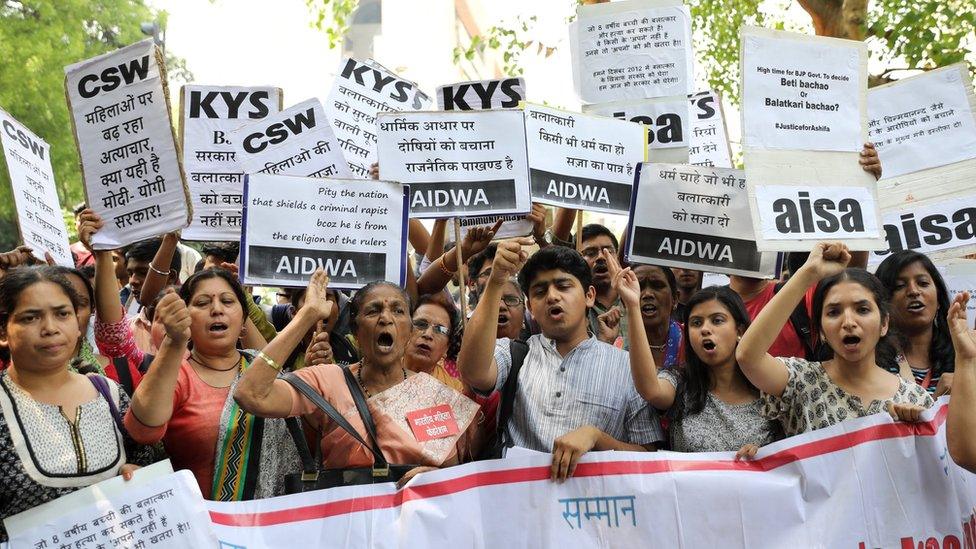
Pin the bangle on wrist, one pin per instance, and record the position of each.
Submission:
(157, 271)
(267, 360)
(445, 270)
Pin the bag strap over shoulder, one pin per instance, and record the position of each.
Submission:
(360, 399)
(101, 385)
(121, 364)
(800, 319)
(519, 350)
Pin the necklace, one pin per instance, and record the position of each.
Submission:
(198, 361)
(359, 377)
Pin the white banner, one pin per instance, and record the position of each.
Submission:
(801, 93)
(631, 50)
(296, 141)
(457, 163)
(924, 121)
(667, 119)
(361, 90)
(355, 230)
(133, 175)
(867, 482)
(210, 114)
(695, 218)
(500, 93)
(582, 161)
(157, 508)
(934, 227)
(709, 136)
(35, 193)
(808, 214)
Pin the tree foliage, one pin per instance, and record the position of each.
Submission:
(332, 17)
(38, 38)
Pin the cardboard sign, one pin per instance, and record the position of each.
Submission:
(432, 423)
(633, 49)
(582, 161)
(695, 218)
(457, 163)
(297, 141)
(793, 217)
(942, 229)
(500, 93)
(35, 194)
(667, 120)
(210, 114)
(801, 92)
(709, 136)
(355, 230)
(361, 90)
(924, 121)
(132, 171)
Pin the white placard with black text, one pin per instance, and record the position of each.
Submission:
(477, 95)
(667, 120)
(709, 136)
(133, 175)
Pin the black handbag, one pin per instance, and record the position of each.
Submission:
(313, 476)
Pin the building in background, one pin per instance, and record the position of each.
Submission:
(424, 51)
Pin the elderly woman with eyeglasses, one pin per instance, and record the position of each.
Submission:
(433, 344)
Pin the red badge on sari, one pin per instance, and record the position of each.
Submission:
(432, 423)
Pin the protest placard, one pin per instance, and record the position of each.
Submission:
(582, 161)
(695, 218)
(925, 128)
(296, 141)
(355, 230)
(709, 136)
(210, 114)
(802, 92)
(361, 90)
(960, 276)
(457, 163)
(924, 121)
(512, 226)
(633, 49)
(499, 93)
(667, 119)
(154, 509)
(35, 194)
(132, 171)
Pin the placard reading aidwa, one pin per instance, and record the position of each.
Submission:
(361, 90)
(133, 175)
(500, 93)
(631, 50)
(35, 194)
(457, 163)
(799, 93)
(296, 141)
(582, 161)
(709, 136)
(695, 218)
(667, 120)
(210, 114)
(924, 121)
(354, 230)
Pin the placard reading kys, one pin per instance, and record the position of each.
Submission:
(802, 93)
(132, 172)
(296, 141)
(631, 50)
(361, 90)
(501, 93)
(582, 161)
(667, 121)
(709, 137)
(32, 182)
(924, 121)
(695, 218)
(210, 114)
(354, 230)
(457, 163)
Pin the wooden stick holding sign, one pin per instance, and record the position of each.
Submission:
(579, 231)
(462, 287)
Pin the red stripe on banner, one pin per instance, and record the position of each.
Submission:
(529, 474)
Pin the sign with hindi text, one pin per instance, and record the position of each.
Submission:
(354, 230)
(210, 114)
(35, 194)
(132, 171)
(457, 163)
(667, 121)
(709, 136)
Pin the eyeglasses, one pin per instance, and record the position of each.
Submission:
(592, 253)
(512, 300)
(421, 325)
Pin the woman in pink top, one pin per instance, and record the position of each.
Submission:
(380, 319)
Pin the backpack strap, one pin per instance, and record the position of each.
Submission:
(146, 361)
(519, 350)
(101, 385)
(121, 364)
(800, 319)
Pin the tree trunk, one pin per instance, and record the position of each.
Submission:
(838, 18)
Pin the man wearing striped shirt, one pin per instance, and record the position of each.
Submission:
(575, 393)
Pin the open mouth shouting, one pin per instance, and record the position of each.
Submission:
(556, 313)
(217, 329)
(851, 343)
(503, 319)
(915, 307)
(600, 269)
(648, 308)
(384, 342)
(708, 345)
